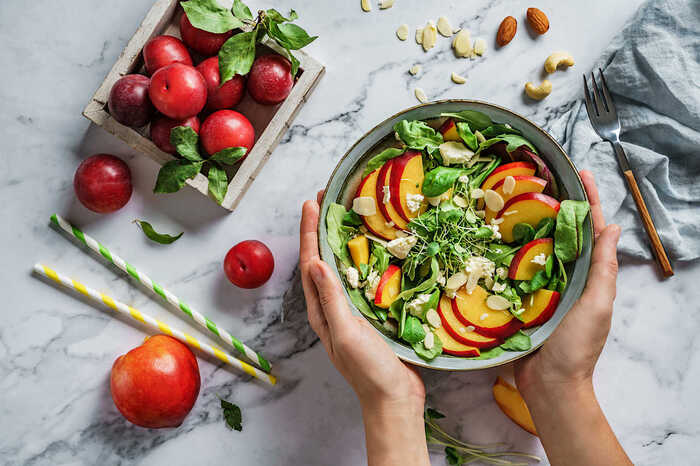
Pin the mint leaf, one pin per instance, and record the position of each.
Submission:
(291, 36)
(229, 156)
(218, 182)
(153, 235)
(232, 415)
(173, 175)
(185, 140)
(237, 55)
(241, 11)
(210, 16)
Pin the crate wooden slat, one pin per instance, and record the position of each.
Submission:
(163, 18)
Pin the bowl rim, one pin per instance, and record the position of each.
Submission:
(419, 361)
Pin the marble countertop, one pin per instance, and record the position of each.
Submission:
(56, 352)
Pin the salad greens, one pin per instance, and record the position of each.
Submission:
(447, 243)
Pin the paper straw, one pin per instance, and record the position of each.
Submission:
(167, 296)
(152, 322)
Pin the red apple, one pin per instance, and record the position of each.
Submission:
(220, 97)
(160, 131)
(224, 129)
(163, 51)
(205, 42)
(178, 91)
(249, 264)
(102, 183)
(156, 384)
(270, 79)
(128, 100)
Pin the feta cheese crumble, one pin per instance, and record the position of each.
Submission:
(372, 284)
(454, 153)
(415, 306)
(400, 247)
(353, 277)
(414, 201)
(387, 194)
(539, 259)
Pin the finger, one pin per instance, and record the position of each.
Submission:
(313, 308)
(308, 236)
(594, 200)
(330, 293)
(600, 289)
(319, 196)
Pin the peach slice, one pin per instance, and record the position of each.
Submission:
(387, 208)
(525, 208)
(453, 347)
(539, 307)
(523, 184)
(375, 223)
(407, 180)
(359, 250)
(389, 287)
(471, 309)
(510, 401)
(522, 266)
(508, 169)
(449, 131)
(459, 331)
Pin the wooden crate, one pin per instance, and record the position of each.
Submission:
(270, 122)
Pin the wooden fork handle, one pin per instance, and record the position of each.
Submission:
(656, 246)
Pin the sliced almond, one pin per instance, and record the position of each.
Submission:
(462, 44)
(420, 95)
(384, 4)
(493, 200)
(433, 318)
(508, 184)
(497, 303)
(456, 280)
(476, 193)
(429, 340)
(366, 5)
(364, 205)
(479, 46)
(457, 79)
(429, 36)
(444, 27)
(402, 32)
(419, 36)
(414, 70)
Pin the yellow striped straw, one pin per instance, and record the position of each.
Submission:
(153, 323)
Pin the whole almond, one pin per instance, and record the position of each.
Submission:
(506, 31)
(538, 20)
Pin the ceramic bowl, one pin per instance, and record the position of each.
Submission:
(346, 177)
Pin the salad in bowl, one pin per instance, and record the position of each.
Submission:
(455, 238)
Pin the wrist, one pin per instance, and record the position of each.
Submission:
(409, 409)
(540, 390)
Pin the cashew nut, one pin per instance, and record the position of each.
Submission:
(538, 92)
(457, 79)
(556, 60)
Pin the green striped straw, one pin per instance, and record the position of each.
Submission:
(167, 296)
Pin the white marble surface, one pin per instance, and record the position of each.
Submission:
(56, 352)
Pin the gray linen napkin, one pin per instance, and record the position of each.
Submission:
(652, 69)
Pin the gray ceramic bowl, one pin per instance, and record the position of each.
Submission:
(346, 176)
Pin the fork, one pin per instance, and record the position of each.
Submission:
(605, 122)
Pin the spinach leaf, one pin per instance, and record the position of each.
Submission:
(476, 181)
(498, 253)
(432, 249)
(364, 270)
(381, 158)
(490, 353)
(382, 256)
(232, 415)
(210, 16)
(428, 354)
(467, 136)
(439, 180)
(539, 280)
(513, 141)
(497, 130)
(523, 233)
(413, 331)
(351, 218)
(425, 285)
(544, 228)
(173, 175)
(360, 303)
(396, 308)
(237, 55)
(218, 182)
(477, 120)
(153, 235)
(185, 141)
(418, 135)
(568, 235)
(338, 235)
(229, 156)
(519, 341)
(482, 233)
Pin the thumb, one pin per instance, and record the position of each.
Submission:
(330, 294)
(600, 289)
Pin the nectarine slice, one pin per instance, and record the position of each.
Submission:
(510, 401)
(508, 169)
(471, 309)
(539, 307)
(459, 331)
(375, 223)
(449, 131)
(524, 266)
(527, 208)
(389, 287)
(407, 180)
(523, 184)
(359, 250)
(453, 347)
(387, 208)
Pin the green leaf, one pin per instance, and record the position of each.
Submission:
(229, 156)
(381, 158)
(210, 16)
(237, 55)
(241, 11)
(218, 182)
(413, 331)
(277, 17)
(383, 258)
(425, 285)
(497, 130)
(232, 415)
(418, 135)
(173, 175)
(425, 223)
(544, 228)
(568, 235)
(439, 180)
(295, 63)
(338, 234)
(519, 341)
(428, 354)
(513, 141)
(549, 265)
(185, 140)
(497, 253)
(476, 181)
(490, 353)
(453, 457)
(291, 36)
(467, 136)
(351, 218)
(539, 280)
(360, 303)
(431, 413)
(161, 238)
(477, 120)
(432, 249)
(523, 233)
